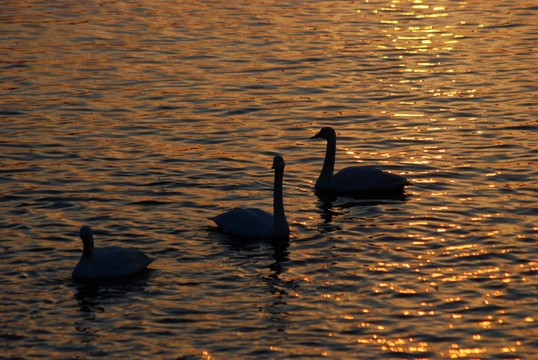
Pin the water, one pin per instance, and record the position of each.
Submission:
(144, 118)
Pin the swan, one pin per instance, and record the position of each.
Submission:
(355, 179)
(256, 223)
(107, 262)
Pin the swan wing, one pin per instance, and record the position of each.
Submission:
(245, 222)
(365, 179)
(111, 262)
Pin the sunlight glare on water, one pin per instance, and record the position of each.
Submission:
(144, 119)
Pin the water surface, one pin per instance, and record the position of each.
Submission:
(144, 118)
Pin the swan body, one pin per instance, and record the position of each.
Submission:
(107, 262)
(355, 179)
(256, 223)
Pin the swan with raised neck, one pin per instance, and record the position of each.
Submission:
(355, 179)
(107, 262)
(256, 223)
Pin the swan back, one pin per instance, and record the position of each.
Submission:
(245, 222)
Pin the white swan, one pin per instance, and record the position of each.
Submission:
(107, 262)
(355, 179)
(256, 223)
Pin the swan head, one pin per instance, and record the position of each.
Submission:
(86, 234)
(278, 163)
(325, 133)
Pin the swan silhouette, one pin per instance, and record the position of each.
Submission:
(355, 179)
(256, 223)
(107, 262)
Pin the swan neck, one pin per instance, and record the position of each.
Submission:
(328, 164)
(88, 247)
(279, 217)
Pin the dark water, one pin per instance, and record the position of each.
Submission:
(144, 118)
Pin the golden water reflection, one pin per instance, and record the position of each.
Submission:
(150, 117)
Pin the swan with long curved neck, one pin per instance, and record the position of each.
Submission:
(355, 179)
(107, 262)
(256, 223)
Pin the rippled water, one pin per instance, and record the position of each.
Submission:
(144, 118)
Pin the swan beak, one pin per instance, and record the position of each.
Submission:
(318, 135)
